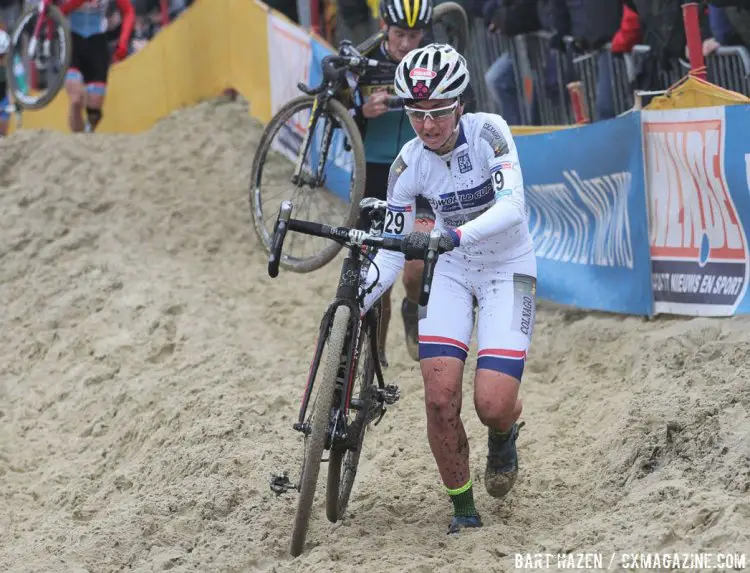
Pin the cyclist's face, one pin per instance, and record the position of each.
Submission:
(401, 41)
(436, 131)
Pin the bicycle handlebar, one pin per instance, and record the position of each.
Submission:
(335, 66)
(394, 102)
(345, 235)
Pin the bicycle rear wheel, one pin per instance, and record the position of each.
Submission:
(333, 200)
(315, 443)
(344, 458)
(44, 74)
(451, 25)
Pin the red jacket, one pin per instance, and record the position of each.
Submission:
(629, 33)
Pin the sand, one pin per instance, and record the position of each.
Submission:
(150, 372)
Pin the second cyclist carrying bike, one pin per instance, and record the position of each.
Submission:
(385, 130)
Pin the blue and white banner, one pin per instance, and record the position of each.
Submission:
(698, 178)
(587, 215)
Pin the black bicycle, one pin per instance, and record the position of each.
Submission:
(347, 399)
(311, 151)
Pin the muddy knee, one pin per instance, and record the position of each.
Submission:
(496, 399)
(497, 413)
(442, 406)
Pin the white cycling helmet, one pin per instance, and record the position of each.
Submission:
(4, 42)
(436, 71)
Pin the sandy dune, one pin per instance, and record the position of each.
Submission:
(150, 372)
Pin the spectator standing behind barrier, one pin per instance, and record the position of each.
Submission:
(354, 21)
(664, 32)
(737, 13)
(629, 33)
(591, 24)
(148, 21)
(513, 18)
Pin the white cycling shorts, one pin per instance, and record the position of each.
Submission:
(506, 301)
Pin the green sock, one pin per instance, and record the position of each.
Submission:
(499, 436)
(463, 500)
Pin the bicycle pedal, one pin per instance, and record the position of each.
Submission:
(391, 394)
(280, 483)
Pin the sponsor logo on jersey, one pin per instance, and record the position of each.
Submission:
(495, 139)
(699, 250)
(464, 199)
(398, 167)
(464, 163)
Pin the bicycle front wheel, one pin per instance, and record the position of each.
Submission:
(451, 25)
(344, 458)
(327, 188)
(315, 443)
(34, 80)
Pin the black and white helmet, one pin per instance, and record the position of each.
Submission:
(407, 14)
(436, 71)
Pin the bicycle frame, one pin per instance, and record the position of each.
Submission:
(347, 293)
(333, 84)
(361, 246)
(42, 10)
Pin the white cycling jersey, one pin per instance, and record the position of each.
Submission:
(477, 193)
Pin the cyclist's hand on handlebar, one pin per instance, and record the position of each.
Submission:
(414, 245)
(376, 104)
(120, 53)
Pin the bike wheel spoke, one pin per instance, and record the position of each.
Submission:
(317, 194)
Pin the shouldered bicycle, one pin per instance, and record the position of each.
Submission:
(312, 151)
(39, 53)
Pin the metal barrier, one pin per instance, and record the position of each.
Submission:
(622, 80)
(545, 79)
(483, 48)
(729, 67)
(540, 74)
(587, 72)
